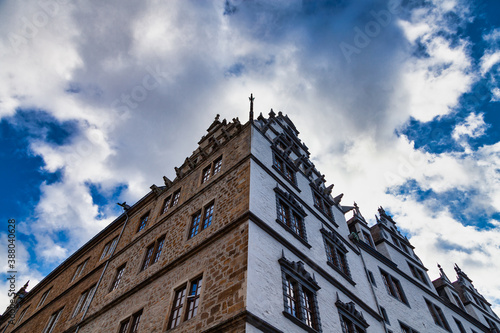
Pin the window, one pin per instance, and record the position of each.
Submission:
(143, 222)
(371, 278)
(349, 327)
(322, 205)
(393, 287)
(336, 253)
(192, 302)
(52, 321)
(175, 198)
(491, 324)
(418, 274)
(407, 329)
(153, 253)
(460, 326)
(166, 202)
(109, 248)
(211, 170)
(197, 224)
(118, 277)
(44, 297)
(384, 315)
(351, 320)
(368, 238)
(458, 301)
(299, 293)
(438, 315)
(286, 170)
(79, 270)
(290, 218)
(84, 301)
(21, 316)
(131, 324)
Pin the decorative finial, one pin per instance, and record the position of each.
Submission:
(251, 98)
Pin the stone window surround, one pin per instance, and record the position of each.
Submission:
(182, 307)
(332, 242)
(437, 315)
(211, 170)
(393, 287)
(349, 315)
(51, 324)
(293, 207)
(199, 219)
(153, 251)
(143, 222)
(130, 325)
(295, 271)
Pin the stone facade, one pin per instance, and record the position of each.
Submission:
(251, 232)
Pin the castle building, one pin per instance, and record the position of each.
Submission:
(249, 238)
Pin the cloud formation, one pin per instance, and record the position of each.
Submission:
(140, 82)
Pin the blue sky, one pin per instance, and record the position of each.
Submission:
(398, 102)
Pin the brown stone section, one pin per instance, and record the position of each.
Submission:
(218, 253)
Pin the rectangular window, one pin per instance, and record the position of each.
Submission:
(438, 315)
(52, 321)
(83, 301)
(372, 278)
(460, 326)
(79, 270)
(21, 316)
(153, 253)
(192, 302)
(384, 315)
(284, 168)
(44, 297)
(336, 257)
(290, 218)
(175, 198)
(217, 165)
(393, 286)
(143, 222)
(491, 324)
(131, 324)
(197, 224)
(193, 298)
(349, 327)
(109, 248)
(407, 329)
(118, 277)
(368, 239)
(300, 302)
(166, 202)
(211, 170)
(322, 205)
(418, 274)
(458, 301)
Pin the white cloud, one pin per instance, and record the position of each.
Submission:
(148, 78)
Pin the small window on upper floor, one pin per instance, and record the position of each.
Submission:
(21, 316)
(211, 170)
(285, 168)
(109, 248)
(143, 222)
(418, 274)
(131, 324)
(83, 301)
(291, 219)
(201, 220)
(79, 270)
(166, 203)
(458, 302)
(407, 329)
(336, 254)
(385, 316)
(118, 277)
(438, 315)
(44, 297)
(371, 278)
(52, 321)
(153, 253)
(368, 238)
(393, 286)
(175, 198)
(322, 205)
(492, 325)
(459, 325)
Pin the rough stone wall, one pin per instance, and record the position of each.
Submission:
(218, 252)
